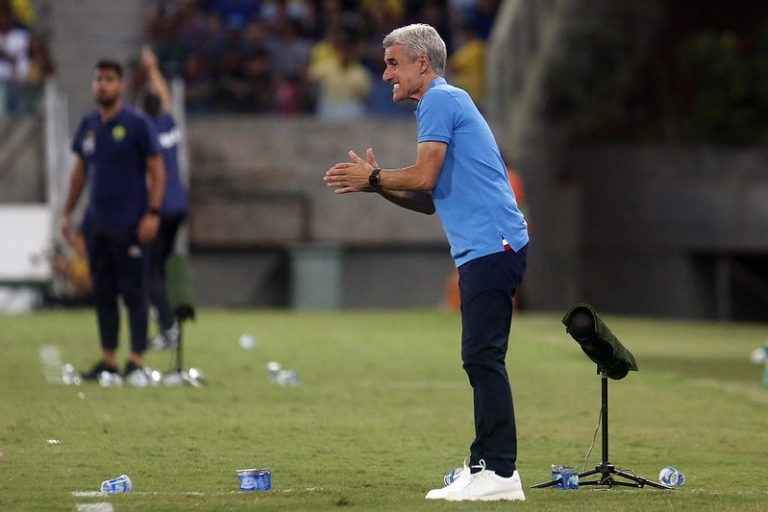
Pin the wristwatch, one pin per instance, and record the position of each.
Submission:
(374, 180)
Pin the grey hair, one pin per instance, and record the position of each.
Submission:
(421, 39)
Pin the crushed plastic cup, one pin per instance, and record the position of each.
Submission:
(247, 341)
(256, 479)
(120, 484)
(69, 375)
(173, 379)
(568, 474)
(139, 378)
(671, 477)
(288, 378)
(273, 368)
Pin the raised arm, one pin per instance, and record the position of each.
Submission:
(156, 79)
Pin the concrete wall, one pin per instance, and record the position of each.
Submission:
(658, 224)
(22, 169)
(368, 278)
(83, 31)
(259, 203)
(262, 177)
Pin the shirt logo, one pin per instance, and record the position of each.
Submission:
(118, 133)
(170, 138)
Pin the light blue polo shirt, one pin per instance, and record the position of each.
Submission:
(472, 195)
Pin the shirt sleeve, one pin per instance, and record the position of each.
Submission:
(77, 142)
(149, 140)
(436, 117)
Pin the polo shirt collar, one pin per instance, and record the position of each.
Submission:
(437, 81)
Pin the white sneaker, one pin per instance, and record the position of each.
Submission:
(759, 355)
(167, 339)
(488, 486)
(459, 481)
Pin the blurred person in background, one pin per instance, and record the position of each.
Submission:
(199, 84)
(118, 156)
(23, 11)
(343, 83)
(72, 265)
(14, 60)
(290, 62)
(175, 205)
(459, 172)
(467, 65)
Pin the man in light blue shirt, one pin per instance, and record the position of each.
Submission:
(460, 174)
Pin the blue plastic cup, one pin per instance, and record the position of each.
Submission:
(257, 479)
(568, 476)
(671, 477)
(117, 485)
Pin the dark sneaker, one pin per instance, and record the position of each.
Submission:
(131, 367)
(93, 373)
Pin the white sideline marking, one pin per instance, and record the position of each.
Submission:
(95, 507)
(99, 494)
(50, 359)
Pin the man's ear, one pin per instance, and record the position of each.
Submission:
(424, 63)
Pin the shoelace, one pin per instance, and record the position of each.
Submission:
(480, 465)
(464, 470)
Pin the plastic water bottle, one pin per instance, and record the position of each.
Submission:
(69, 376)
(671, 477)
(452, 475)
(110, 380)
(117, 485)
(273, 368)
(139, 378)
(287, 378)
(247, 341)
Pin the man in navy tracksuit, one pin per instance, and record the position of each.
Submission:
(173, 211)
(117, 155)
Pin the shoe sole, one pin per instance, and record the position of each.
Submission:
(502, 496)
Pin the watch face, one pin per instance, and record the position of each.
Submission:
(373, 179)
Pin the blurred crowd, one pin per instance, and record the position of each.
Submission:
(306, 56)
(25, 62)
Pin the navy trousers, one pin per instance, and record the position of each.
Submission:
(159, 251)
(487, 286)
(118, 267)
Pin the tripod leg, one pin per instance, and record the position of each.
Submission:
(643, 481)
(590, 472)
(548, 484)
(179, 365)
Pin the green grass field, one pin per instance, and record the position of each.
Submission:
(382, 412)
